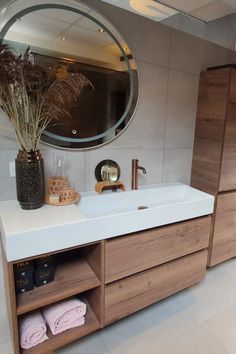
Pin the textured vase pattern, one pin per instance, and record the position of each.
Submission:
(30, 179)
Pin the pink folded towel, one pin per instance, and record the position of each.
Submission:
(65, 315)
(32, 330)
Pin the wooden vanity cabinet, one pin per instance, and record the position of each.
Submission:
(214, 156)
(115, 277)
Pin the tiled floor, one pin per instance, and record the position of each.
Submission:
(199, 320)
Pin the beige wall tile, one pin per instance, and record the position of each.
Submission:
(186, 52)
(177, 165)
(181, 109)
(147, 128)
(149, 40)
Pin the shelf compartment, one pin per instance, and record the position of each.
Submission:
(57, 341)
(72, 277)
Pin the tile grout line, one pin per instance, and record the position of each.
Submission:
(166, 112)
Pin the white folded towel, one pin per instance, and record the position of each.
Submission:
(32, 330)
(65, 315)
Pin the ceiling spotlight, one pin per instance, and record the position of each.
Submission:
(64, 39)
(101, 30)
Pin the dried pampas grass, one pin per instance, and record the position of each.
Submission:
(31, 99)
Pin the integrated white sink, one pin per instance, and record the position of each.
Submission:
(162, 199)
(96, 217)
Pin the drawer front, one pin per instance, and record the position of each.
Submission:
(128, 295)
(131, 254)
(224, 237)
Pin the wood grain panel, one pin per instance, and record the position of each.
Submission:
(209, 131)
(11, 301)
(232, 94)
(128, 295)
(228, 168)
(139, 251)
(71, 278)
(206, 165)
(224, 237)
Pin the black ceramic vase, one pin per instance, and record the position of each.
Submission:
(30, 179)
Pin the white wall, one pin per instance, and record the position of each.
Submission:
(162, 131)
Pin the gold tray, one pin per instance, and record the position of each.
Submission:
(77, 198)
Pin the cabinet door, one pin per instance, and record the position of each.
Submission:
(224, 237)
(228, 168)
(209, 131)
(131, 254)
(133, 293)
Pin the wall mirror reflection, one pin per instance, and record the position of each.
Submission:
(67, 37)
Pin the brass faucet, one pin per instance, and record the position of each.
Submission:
(135, 168)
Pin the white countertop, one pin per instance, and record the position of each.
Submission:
(27, 233)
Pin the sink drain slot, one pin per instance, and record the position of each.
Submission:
(141, 207)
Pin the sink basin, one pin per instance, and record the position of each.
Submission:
(167, 198)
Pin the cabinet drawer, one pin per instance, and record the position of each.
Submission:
(224, 238)
(133, 293)
(131, 254)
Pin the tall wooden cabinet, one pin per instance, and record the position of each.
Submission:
(214, 156)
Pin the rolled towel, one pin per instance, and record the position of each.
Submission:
(65, 315)
(32, 330)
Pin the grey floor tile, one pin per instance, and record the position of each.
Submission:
(223, 327)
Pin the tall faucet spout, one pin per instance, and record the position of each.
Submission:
(142, 169)
(135, 168)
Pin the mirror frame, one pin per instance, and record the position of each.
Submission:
(33, 8)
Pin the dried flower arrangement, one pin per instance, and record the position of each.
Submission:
(31, 99)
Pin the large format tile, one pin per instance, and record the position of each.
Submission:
(6, 348)
(88, 345)
(197, 341)
(222, 31)
(7, 184)
(213, 295)
(151, 159)
(214, 55)
(147, 127)
(223, 326)
(146, 331)
(181, 110)
(148, 40)
(7, 135)
(177, 165)
(186, 52)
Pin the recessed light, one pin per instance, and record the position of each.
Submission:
(101, 30)
(64, 39)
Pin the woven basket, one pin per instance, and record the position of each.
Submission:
(55, 184)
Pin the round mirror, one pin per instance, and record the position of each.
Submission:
(68, 37)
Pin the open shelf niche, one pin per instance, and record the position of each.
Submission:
(78, 272)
